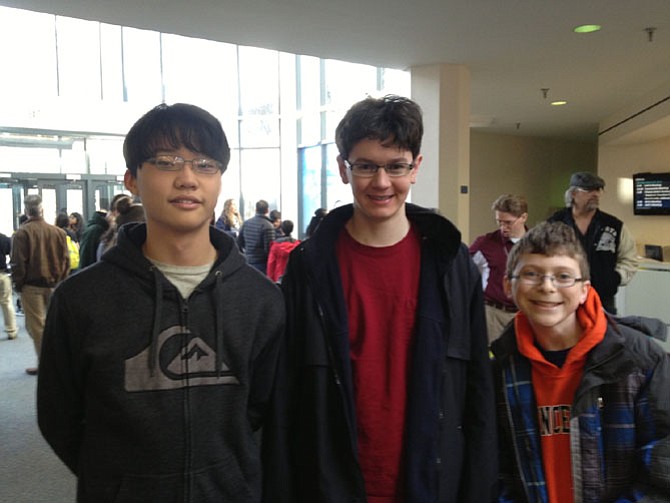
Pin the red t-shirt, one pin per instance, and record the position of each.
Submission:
(381, 289)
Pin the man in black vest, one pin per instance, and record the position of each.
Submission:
(609, 245)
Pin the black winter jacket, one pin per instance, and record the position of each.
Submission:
(310, 447)
(150, 397)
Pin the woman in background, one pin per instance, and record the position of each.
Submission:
(230, 220)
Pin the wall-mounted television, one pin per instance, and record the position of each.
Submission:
(652, 194)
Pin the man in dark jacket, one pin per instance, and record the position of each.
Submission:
(384, 393)
(157, 368)
(256, 237)
(609, 245)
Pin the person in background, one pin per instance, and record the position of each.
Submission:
(230, 219)
(489, 252)
(159, 359)
(280, 250)
(314, 222)
(384, 392)
(275, 218)
(126, 211)
(77, 225)
(40, 260)
(6, 297)
(63, 222)
(90, 239)
(609, 246)
(256, 236)
(583, 402)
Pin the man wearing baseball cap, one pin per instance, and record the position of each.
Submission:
(609, 245)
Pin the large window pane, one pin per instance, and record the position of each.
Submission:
(28, 56)
(347, 83)
(141, 67)
(208, 80)
(112, 64)
(78, 58)
(259, 132)
(337, 192)
(259, 81)
(260, 175)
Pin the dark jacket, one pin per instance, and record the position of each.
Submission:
(310, 447)
(620, 420)
(255, 238)
(601, 244)
(88, 246)
(149, 397)
(39, 255)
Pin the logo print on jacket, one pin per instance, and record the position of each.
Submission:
(183, 359)
(607, 240)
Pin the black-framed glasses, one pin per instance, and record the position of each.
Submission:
(369, 169)
(200, 165)
(534, 278)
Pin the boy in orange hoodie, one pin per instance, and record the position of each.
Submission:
(583, 413)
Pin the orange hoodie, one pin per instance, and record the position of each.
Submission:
(555, 390)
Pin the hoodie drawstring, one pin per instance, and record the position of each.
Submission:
(153, 348)
(218, 300)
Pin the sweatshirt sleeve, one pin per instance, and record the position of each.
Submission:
(627, 262)
(60, 407)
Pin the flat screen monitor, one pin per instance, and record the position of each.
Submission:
(652, 194)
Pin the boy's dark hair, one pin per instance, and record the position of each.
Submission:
(287, 227)
(171, 127)
(275, 215)
(393, 120)
(509, 203)
(550, 239)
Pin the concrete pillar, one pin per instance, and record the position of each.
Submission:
(443, 92)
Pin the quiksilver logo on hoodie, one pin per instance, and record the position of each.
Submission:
(182, 359)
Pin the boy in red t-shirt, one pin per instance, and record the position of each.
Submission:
(385, 394)
(583, 413)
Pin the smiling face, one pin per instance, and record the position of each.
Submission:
(550, 310)
(380, 198)
(175, 202)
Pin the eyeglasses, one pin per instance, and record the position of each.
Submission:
(560, 280)
(369, 169)
(201, 166)
(506, 223)
(600, 190)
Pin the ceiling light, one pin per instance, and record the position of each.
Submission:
(558, 103)
(587, 28)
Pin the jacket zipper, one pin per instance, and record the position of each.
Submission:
(186, 408)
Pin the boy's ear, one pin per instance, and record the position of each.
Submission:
(130, 182)
(507, 286)
(586, 286)
(344, 172)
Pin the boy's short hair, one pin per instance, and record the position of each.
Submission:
(509, 203)
(393, 120)
(275, 215)
(287, 227)
(171, 127)
(550, 239)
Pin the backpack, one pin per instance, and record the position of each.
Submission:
(74, 253)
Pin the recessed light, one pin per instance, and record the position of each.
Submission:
(558, 103)
(587, 28)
